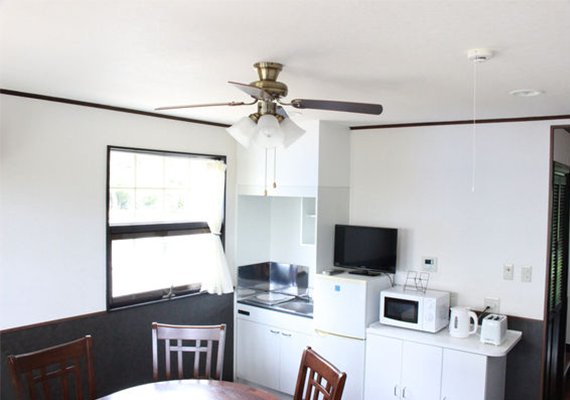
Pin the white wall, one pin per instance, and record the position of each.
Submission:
(286, 229)
(53, 193)
(419, 180)
(269, 229)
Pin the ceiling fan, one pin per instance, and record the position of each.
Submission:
(270, 125)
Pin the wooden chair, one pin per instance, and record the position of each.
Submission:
(313, 370)
(43, 367)
(195, 335)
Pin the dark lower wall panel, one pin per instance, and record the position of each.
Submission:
(524, 362)
(122, 339)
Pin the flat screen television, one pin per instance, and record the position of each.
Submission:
(365, 249)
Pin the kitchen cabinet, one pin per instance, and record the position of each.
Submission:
(396, 369)
(294, 170)
(407, 364)
(468, 376)
(258, 353)
(269, 347)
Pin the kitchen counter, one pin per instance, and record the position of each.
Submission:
(443, 339)
(295, 305)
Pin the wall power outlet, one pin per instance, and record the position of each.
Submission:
(493, 303)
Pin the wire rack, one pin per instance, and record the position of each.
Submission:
(417, 282)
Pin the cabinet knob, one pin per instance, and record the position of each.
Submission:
(404, 393)
(274, 331)
(286, 334)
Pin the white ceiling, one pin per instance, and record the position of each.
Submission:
(409, 56)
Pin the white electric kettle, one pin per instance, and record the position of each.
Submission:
(460, 321)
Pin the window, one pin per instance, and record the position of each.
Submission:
(164, 226)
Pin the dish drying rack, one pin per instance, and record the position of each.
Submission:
(416, 282)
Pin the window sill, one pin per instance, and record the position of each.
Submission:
(180, 296)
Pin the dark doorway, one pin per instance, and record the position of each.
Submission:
(557, 298)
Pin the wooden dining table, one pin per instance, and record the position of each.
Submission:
(198, 389)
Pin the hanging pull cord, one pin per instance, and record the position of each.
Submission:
(275, 168)
(474, 131)
(265, 179)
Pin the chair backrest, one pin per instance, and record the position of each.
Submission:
(194, 339)
(314, 369)
(43, 368)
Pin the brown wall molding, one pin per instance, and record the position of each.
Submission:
(106, 107)
(196, 121)
(55, 321)
(464, 122)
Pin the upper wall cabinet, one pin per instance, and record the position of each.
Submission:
(319, 158)
(293, 170)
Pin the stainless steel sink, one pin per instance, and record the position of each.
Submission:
(298, 306)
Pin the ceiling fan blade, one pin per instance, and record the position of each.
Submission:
(362, 108)
(232, 103)
(253, 91)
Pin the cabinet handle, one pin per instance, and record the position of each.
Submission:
(404, 393)
(274, 331)
(286, 334)
(396, 391)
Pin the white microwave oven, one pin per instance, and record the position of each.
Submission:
(412, 309)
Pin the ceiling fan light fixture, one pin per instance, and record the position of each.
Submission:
(243, 131)
(268, 133)
(291, 132)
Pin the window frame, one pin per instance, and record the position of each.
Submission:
(141, 230)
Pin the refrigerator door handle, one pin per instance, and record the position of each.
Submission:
(325, 333)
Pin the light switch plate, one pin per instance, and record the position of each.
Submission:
(508, 272)
(526, 273)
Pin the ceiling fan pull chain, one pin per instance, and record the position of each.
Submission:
(474, 133)
(265, 180)
(275, 168)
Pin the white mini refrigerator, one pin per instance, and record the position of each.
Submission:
(344, 306)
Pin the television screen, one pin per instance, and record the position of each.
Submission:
(365, 248)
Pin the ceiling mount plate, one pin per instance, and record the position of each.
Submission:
(480, 55)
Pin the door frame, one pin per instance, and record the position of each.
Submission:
(548, 250)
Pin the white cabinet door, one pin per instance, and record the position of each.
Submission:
(292, 345)
(421, 371)
(258, 353)
(383, 368)
(294, 170)
(464, 376)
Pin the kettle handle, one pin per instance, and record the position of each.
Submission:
(473, 316)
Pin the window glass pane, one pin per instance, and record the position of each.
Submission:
(175, 204)
(149, 205)
(122, 205)
(176, 172)
(122, 172)
(150, 171)
(142, 265)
